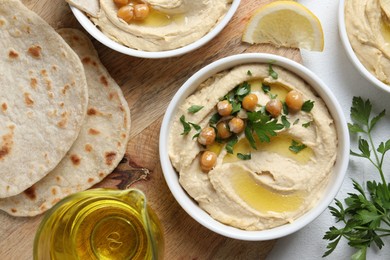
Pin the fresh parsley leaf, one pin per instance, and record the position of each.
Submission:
(285, 108)
(186, 125)
(243, 89)
(249, 135)
(244, 156)
(265, 130)
(296, 121)
(272, 73)
(366, 217)
(249, 73)
(307, 106)
(296, 147)
(229, 145)
(194, 108)
(214, 119)
(236, 106)
(285, 122)
(273, 96)
(195, 126)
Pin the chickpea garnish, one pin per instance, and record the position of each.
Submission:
(121, 2)
(294, 100)
(141, 11)
(250, 102)
(236, 125)
(206, 136)
(126, 13)
(224, 108)
(208, 161)
(223, 130)
(274, 107)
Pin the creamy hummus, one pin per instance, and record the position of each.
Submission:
(368, 27)
(276, 185)
(170, 25)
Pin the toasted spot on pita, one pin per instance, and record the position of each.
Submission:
(13, 210)
(44, 72)
(54, 191)
(27, 99)
(35, 51)
(91, 111)
(101, 175)
(30, 193)
(93, 131)
(113, 95)
(2, 22)
(110, 157)
(65, 88)
(75, 159)
(13, 54)
(90, 179)
(4, 107)
(34, 83)
(88, 147)
(104, 81)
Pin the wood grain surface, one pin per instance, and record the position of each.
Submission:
(148, 86)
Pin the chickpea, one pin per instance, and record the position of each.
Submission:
(294, 100)
(274, 107)
(126, 13)
(207, 136)
(121, 2)
(208, 161)
(224, 108)
(141, 11)
(223, 130)
(250, 102)
(236, 125)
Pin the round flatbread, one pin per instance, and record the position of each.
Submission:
(43, 98)
(99, 147)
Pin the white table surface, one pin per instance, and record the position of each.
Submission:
(335, 69)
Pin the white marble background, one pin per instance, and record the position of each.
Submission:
(335, 69)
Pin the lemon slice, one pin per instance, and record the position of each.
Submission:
(285, 23)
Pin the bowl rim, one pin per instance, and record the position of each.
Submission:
(191, 207)
(351, 53)
(105, 40)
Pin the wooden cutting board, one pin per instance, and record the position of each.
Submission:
(148, 86)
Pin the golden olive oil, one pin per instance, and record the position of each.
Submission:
(100, 224)
(261, 198)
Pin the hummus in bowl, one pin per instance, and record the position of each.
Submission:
(364, 27)
(172, 28)
(270, 179)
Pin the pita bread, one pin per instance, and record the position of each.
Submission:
(91, 7)
(43, 98)
(99, 147)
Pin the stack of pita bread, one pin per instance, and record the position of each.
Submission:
(64, 122)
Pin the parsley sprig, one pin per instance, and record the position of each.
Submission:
(366, 215)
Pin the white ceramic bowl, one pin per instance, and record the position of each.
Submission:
(351, 54)
(98, 35)
(192, 208)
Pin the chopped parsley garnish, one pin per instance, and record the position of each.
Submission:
(194, 108)
(272, 73)
(249, 73)
(306, 125)
(244, 156)
(285, 122)
(266, 88)
(307, 106)
(195, 126)
(186, 125)
(262, 125)
(214, 119)
(229, 145)
(285, 108)
(296, 147)
(296, 121)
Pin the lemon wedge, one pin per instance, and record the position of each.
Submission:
(285, 23)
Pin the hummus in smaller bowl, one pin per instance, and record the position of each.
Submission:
(171, 28)
(276, 174)
(364, 27)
